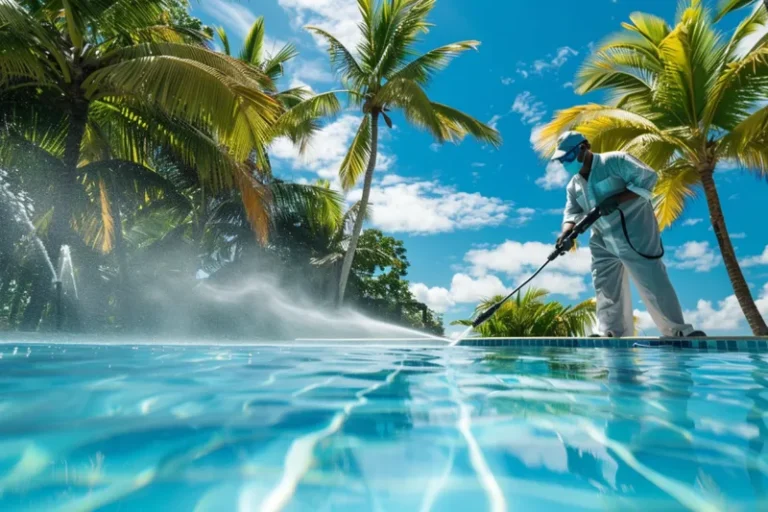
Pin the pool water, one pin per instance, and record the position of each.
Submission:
(359, 428)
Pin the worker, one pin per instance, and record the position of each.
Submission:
(626, 240)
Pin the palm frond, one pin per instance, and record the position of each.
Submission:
(691, 55)
(301, 121)
(274, 66)
(17, 23)
(423, 68)
(456, 125)
(192, 91)
(320, 206)
(356, 161)
(342, 60)
(415, 104)
(726, 7)
(593, 120)
(739, 87)
(224, 41)
(747, 142)
(253, 48)
(675, 186)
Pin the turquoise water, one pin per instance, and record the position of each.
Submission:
(158, 428)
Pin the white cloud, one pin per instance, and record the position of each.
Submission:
(692, 222)
(725, 316)
(478, 164)
(507, 80)
(728, 165)
(392, 179)
(556, 283)
(548, 64)
(698, 256)
(464, 290)
(438, 299)
(427, 207)
(339, 17)
(468, 290)
(313, 71)
(517, 261)
(524, 216)
(531, 111)
(644, 321)
(754, 261)
(494, 122)
(568, 85)
(327, 149)
(435, 147)
(238, 19)
(738, 236)
(516, 258)
(553, 63)
(555, 177)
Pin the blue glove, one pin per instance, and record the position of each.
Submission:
(609, 206)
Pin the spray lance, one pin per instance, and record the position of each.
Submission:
(561, 248)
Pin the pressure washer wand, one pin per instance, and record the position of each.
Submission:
(561, 248)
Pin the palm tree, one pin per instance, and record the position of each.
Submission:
(254, 54)
(728, 6)
(529, 316)
(383, 75)
(91, 80)
(682, 99)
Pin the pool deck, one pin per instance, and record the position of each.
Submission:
(718, 343)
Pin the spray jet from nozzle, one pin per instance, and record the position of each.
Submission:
(561, 248)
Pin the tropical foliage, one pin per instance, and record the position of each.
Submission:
(684, 99)
(532, 316)
(145, 150)
(387, 74)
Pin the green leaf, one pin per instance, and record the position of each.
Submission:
(355, 163)
(224, 40)
(423, 68)
(253, 48)
(726, 7)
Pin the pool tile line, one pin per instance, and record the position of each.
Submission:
(709, 344)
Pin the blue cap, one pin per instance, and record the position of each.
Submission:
(566, 142)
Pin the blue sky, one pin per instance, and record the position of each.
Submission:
(476, 220)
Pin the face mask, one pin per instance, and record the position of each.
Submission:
(573, 167)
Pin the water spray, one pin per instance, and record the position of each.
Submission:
(565, 245)
(59, 309)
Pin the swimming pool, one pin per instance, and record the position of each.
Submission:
(380, 428)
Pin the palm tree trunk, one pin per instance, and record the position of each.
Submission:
(350, 255)
(60, 229)
(740, 287)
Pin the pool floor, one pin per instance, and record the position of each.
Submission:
(356, 428)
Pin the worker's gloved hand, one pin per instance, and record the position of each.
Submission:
(609, 206)
(562, 242)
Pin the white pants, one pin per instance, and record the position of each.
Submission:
(614, 262)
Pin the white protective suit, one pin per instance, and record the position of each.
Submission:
(613, 259)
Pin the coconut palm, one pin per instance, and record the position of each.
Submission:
(272, 65)
(386, 74)
(683, 99)
(531, 316)
(91, 80)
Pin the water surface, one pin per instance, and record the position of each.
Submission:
(345, 428)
